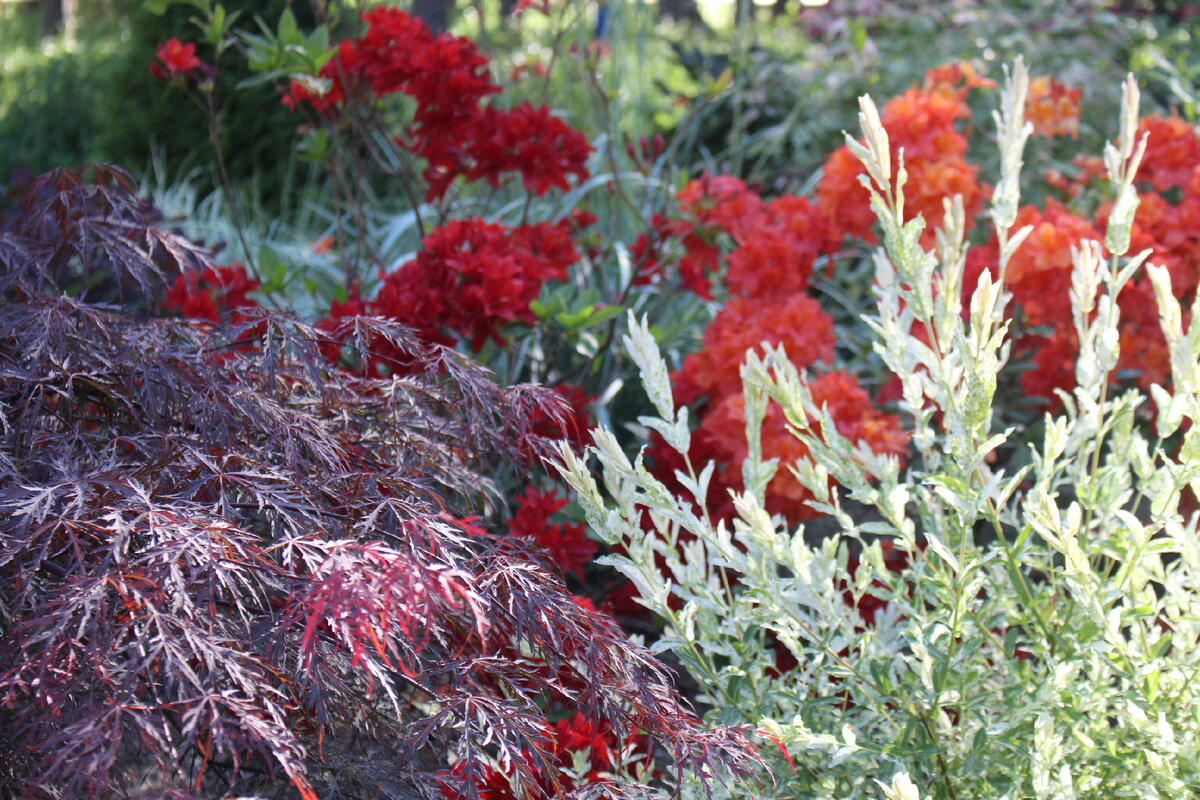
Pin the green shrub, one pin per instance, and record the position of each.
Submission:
(1035, 632)
(96, 101)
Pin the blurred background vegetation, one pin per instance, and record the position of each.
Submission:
(75, 86)
(757, 88)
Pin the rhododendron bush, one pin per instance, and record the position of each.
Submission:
(972, 627)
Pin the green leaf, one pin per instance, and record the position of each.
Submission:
(313, 145)
(858, 34)
(318, 41)
(289, 33)
(272, 268)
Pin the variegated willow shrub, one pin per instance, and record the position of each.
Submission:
(1033, 628)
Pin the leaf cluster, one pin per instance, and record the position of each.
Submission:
(230, 569)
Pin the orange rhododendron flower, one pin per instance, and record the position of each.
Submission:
(1039, 272)
(954, 79)
(797, 322)
(1172, 152)
(922, 124)
(723, 431)
(1053, 108)
(777, 258)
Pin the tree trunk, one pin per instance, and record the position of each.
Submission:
(745, 12)
(70, 17)
(50, 17)
(434, 13)
(679, 10)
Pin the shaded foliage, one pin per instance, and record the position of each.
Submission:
(229, 569)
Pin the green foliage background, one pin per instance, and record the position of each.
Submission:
(95, 100)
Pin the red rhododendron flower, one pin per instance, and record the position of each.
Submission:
(723, 202)
(699, 260)
(472, 277)
(489, 783)
(646, 252)
(211, 293)
(174, 58)
(448, 78)
(528, 140)
(567, 544)
(1053, 358)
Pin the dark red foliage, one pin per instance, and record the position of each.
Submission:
(87, 231)
(244, 575)
(574, 424)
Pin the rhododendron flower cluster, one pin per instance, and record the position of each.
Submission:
(448, 79)
(952, 78)
(570, 736)
(776, 247)
(212, 293)
(1039, 273)
(797, 322)
(567, 543)
(723, 435)
(776, 243)
(1053, 108)
(1172, 152)
(921, 122)
(1167, 223)
(470, 278)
